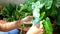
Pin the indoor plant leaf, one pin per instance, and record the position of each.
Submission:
(48, 4)
(47, 26)
(42, 15)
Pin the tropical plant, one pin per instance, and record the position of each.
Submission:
(48, 8)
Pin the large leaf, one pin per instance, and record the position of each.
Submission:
(49, 23)
(47, 26)
(48, 4)
(42, 3)
(58, 2)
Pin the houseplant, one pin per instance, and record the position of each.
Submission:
(48, 9)
(12, 10)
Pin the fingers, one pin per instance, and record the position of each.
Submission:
(41, 25)
(27, 20)
(41, 28)
(35, 30)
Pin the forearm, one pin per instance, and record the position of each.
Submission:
(7, 26)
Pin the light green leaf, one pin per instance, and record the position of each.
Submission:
(42, 3)
(42, 15)
(47, 26)
(48, 4)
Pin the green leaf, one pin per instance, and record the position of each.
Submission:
(48, 4)
(53, 12)
(58, 2)
(49, 23)
(47, 26)
(30, 1)
(42, 15)
(23, 6)
(42, 3)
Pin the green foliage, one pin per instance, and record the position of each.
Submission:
(47, 8)
(42, 15)
(48, 4)
(58, 17)
(58, 2)
(9, 11)
(13, 12)
(47, 26)
(46, 22)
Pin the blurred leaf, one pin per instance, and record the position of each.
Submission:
(42, 15)
(48, 26)
(42, 3)
(48, 4)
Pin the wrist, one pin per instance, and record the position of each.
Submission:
(19, 23)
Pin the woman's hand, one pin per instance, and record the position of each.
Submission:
(35, 30)
(27, 20)
(7, 26)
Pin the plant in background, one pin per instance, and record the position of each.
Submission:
(47, 8)
(13, 12)
(10, 12)
(48, 29)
